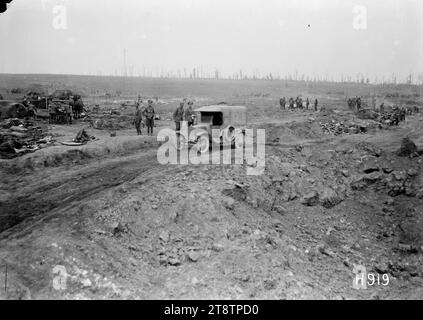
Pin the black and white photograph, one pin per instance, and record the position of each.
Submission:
(187, 151)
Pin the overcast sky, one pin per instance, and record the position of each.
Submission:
(311, 36)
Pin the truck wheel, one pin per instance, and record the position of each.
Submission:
(228, 134)
(202, 144)
(239, 140)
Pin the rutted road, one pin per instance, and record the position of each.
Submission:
(39, 197)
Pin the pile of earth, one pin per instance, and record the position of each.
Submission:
(293, 131)
(186, 221)
(408, 148)
(328, 177)
(213, 231)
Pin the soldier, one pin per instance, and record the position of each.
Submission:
(1, 97)
(307, 103)
(178, 116)
(291, 103)
(138, 119)
(282, 102)
(374, 103)
(315, 104)
(382, 108)
(402, 114)
(398, 116)
(143, 108)
(358, 104)
(189, 114)
(149, 117)
(77, 105)
(350, 103)
(31, 112)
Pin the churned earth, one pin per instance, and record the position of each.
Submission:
(87, 223)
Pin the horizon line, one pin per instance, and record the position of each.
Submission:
(217, 79)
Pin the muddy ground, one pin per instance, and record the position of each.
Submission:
(107, 221)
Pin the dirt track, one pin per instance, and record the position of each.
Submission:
(78, 184)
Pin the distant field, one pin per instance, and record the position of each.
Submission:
(166, 88)
(261, 97)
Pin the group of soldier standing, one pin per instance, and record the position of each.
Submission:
(183, 113)
(355, 103)
(147, 113)
(393, 116)
(297, 103)
(398, 113)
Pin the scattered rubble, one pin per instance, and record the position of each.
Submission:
(343, 127)
(330, 198)
(83, 137)
(18, 137)
(408, 148)
(310, 199)
(111, 122)
(179, 229)
(117, 228)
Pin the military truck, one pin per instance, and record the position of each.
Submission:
(229, 121)
(60, 111)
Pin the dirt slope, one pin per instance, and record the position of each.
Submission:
(129, 227)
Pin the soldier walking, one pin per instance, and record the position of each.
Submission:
(349, 102)
(315, 104)
(402, 114)
(138, 119)
(282, 102)
(291, 103)
(149, 117)
(189, 114)
(178, 116)
(353, 103)
(358, 103)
